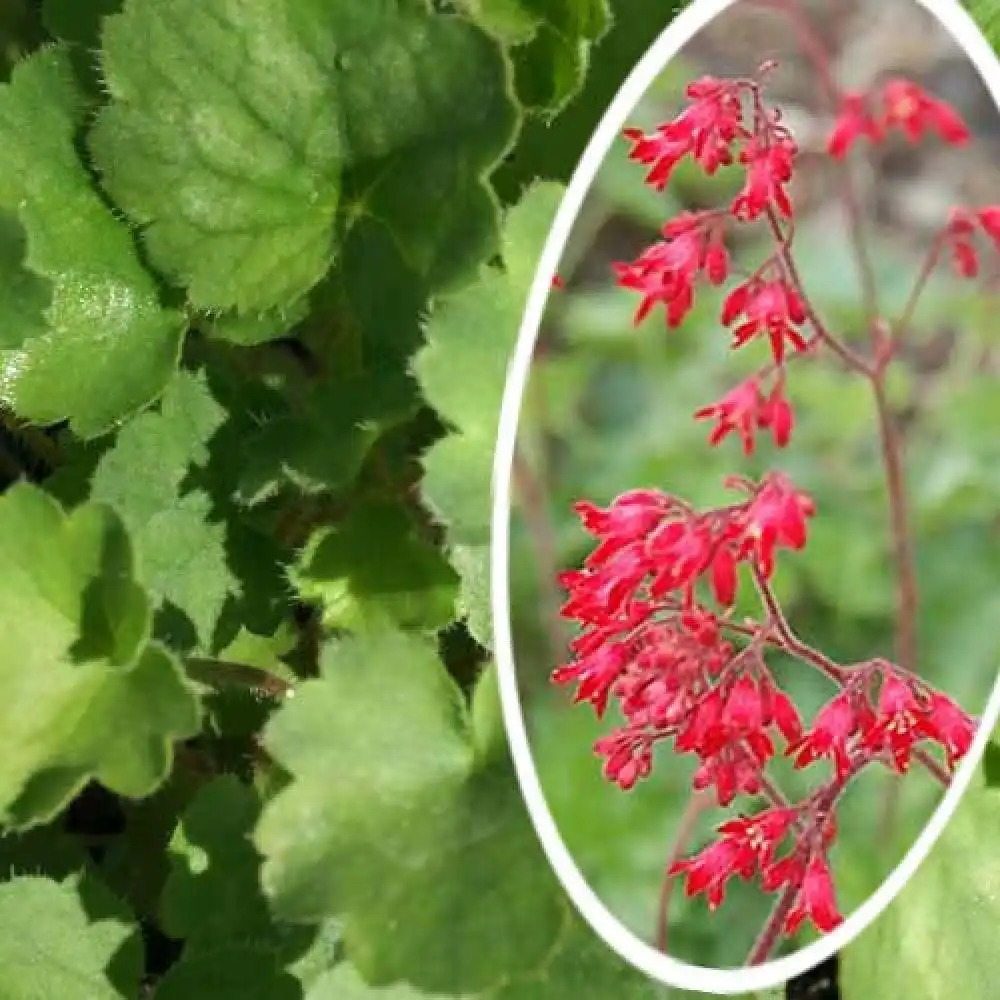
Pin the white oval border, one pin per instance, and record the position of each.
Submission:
(671, 971)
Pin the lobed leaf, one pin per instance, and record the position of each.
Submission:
(473, 331)
(50, 948)
(94, 344)
(181, 551)
(390, 822)
(410, 585)
(83, 692)
(551, 40)
(237, 132)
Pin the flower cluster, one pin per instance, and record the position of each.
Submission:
(900, 105)
(654, 599)
(652, 642)
(746, 409)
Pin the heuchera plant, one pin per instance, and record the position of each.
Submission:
(655, 597)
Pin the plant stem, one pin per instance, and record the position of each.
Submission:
(923, 275)
(212, 671)
(696, 805)
(771, 931)
(933, 767)
(790, 642)
(815, 50)
(847, 354)
(899, 521)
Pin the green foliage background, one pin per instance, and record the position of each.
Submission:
(263, 264)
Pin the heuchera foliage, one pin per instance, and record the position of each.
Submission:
(654, 599)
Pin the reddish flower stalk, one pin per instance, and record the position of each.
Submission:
(654, 598)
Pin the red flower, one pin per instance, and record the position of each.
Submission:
(705, 732)
(959, 232)
(706, 129)
(710, 870)
(732, 771)
(738, 411)
(767, 307)
(776, 414)
(724, 579)
(776, 518)
(854, 121)
(779, 710)
(816, 899)
(762, 833)
(744, 409)
(832, 731)
(667, 271)
(989, 219)
(743, 719)
(626, 759)
(661, 152)
(950, 726)
(679, 554)
(629, 518)
(769, 168)
(914, 111)
(595, 674)
(789, 870)
(901, 721)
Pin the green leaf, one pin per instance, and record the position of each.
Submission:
(581, 965)
(135, 864)
(332, 738)
(551, 149)
(83, 693)
(937, 938)
(263, 652)
(489, 735)
(343, 983)
(211, 897)
(991, 764)
(551, 40)
(251, 329)
(234, 972)
(104, 347)
(410, 585)
(234, 151)
(986, 14)
(181, 551)
(473, 331)
(390, 822)
(322, 445)
(49, 947)
(26, 295)
(79, 23)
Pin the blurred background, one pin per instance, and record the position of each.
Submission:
(608, 408)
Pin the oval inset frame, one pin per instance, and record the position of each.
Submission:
(960, 25)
